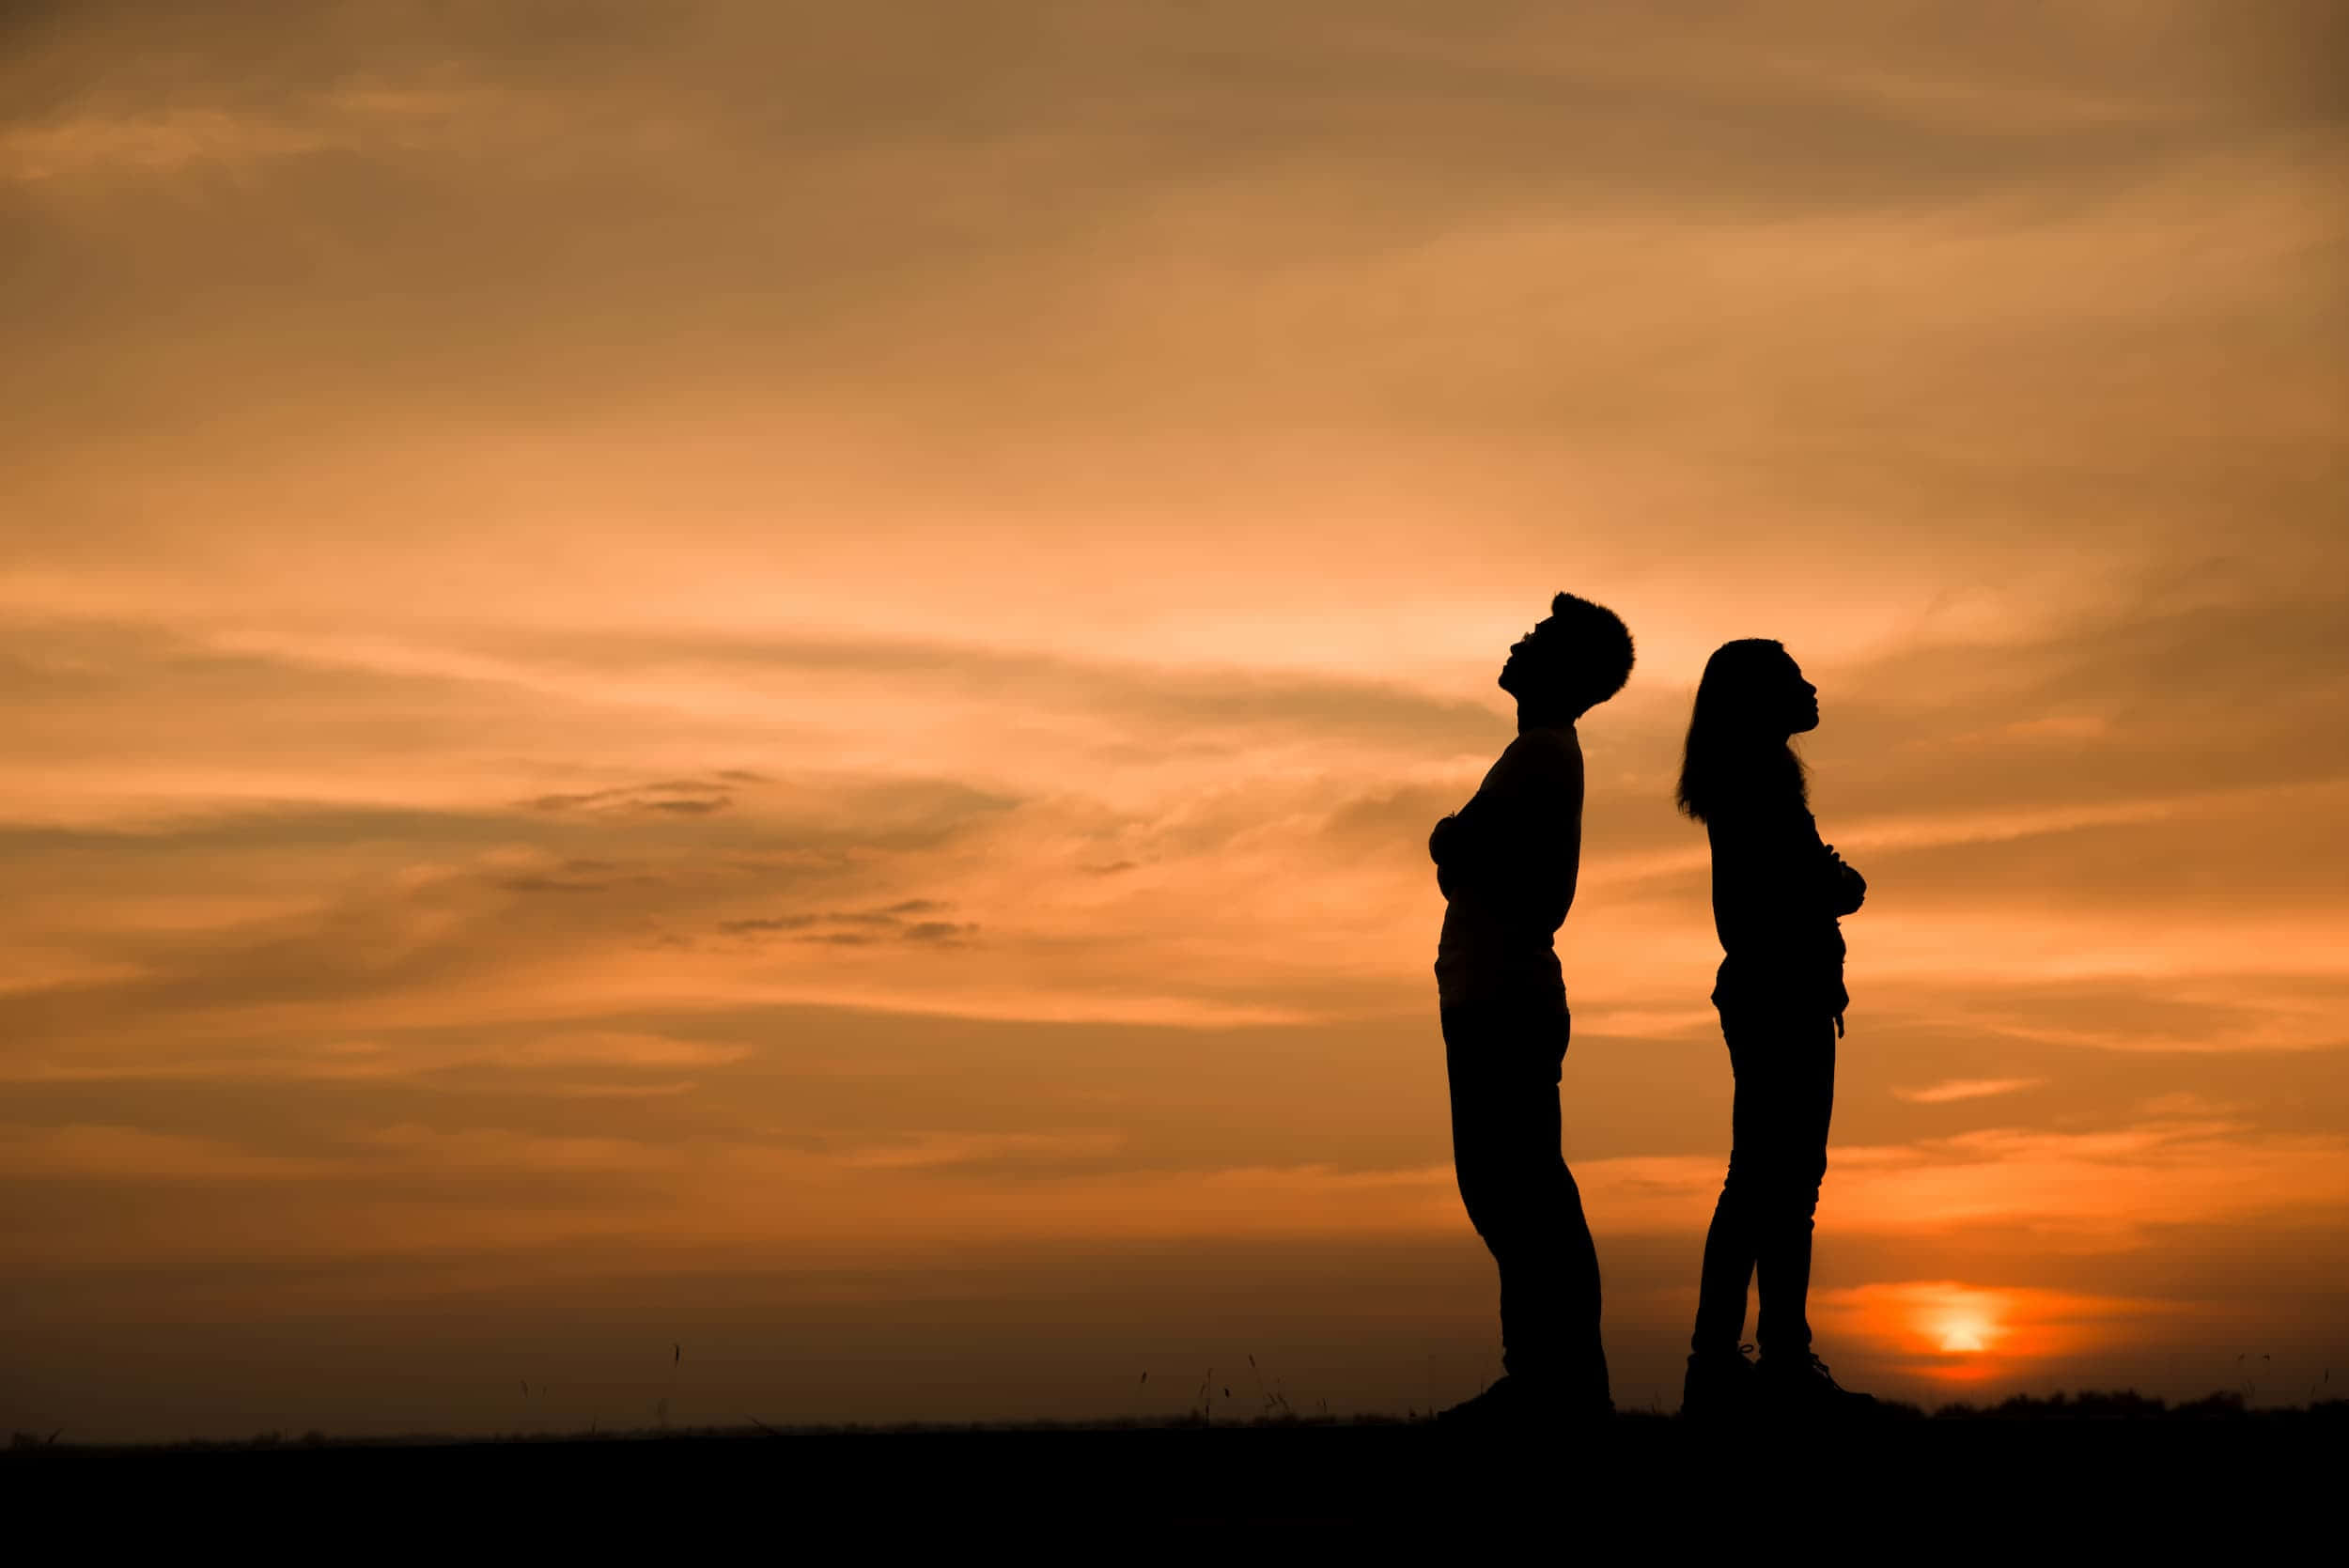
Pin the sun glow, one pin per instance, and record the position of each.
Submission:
(1965, 1335)
(1947, 1320)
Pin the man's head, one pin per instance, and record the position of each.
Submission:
(1572, 662)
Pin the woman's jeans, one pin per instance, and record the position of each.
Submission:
(1786, 1066)
(1504, 1061)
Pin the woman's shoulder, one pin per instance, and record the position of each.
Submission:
(1764, 812)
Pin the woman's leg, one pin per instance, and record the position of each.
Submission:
(1729, 1242)
(1801, 1080)
(1785, 1069)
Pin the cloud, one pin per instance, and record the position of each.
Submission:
(2243, 1000)
(955, 669)
(858, 928)
(132, 1156)
(2100, 1187)
(148, 142)
(623, 1091)
(942, 1151)
(676, 796)
(1966, 1089)
(616, 1048)
(548, 884)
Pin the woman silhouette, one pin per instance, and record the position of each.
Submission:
(1777, 893)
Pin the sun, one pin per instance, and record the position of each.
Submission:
(1965, 1335)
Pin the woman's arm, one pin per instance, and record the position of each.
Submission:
(1769, 868)
(1847, 889)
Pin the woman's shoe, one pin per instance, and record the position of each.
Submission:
(1802, 1386)
(1720, 1386)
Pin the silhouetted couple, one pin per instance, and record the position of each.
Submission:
(1507, 863)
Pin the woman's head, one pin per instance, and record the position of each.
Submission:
(1752, 700)
(1570, 662)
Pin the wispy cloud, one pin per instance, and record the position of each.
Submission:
(1966, 1089)
(555, 708)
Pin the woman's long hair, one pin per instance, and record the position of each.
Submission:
(1734, 755)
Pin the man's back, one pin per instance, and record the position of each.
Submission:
(1507, 863)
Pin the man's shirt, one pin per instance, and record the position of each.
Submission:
(1506, 863)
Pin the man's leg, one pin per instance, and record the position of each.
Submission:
(1503, 1064)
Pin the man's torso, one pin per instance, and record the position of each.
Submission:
(1506, 863)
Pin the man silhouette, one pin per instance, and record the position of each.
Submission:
(1506, 863)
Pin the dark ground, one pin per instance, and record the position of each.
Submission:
(2041, 1481)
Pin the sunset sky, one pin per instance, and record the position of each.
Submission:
(731, 708)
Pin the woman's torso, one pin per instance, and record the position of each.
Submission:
(1773, 889)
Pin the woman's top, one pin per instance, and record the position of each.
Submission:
(1778, 891)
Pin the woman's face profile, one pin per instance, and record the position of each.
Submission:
(1799, 700)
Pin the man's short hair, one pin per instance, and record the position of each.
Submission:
(1592, 656)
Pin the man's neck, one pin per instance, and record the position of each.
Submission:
(1531, 719)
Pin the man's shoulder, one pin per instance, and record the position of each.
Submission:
(1548, 746)
(1543, 757)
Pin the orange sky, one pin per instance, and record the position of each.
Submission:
(771, 677)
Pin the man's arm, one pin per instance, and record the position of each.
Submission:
(1520, 836)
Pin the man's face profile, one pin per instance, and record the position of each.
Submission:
(1532, 662)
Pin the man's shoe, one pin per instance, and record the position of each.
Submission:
(1524, 1404)
(1722, 1385)
(1802, 1386)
